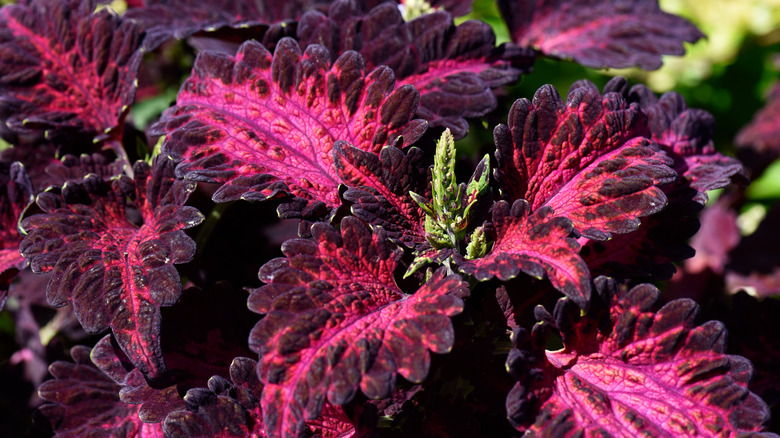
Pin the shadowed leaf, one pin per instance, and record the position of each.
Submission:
(68, 72)
(599, 33)
(112, 246)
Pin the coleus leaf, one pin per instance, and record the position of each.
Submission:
(754, 332)
(454, 68)
(226, 408)
(84, 401)
(758, 142)
(16, 194)
(650, 250)
(165, 19)
(263, 125)
(599, 33)
(585, 158)
(68, 72)
(380, 186)
(536, 243)
(625, 370)
(336, 321)
(231, 408)
(685, 134)
(112, 246)
(153, 403)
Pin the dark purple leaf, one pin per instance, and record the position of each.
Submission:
(660, 240)
(626, 370)
(599, 33)
(154, 403)
(68, 72)
(73, 168)
(165, 19)
(535, 243)
(336, 321)
(112, 246)
(263, 126)
(226, 408)
(759, 141)
(585, 158)
(754, 332)
(380, 186)
(84, 401)
(685, 134)
(454, 68)
(15, 195)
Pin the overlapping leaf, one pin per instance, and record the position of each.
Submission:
(336, 321)
(151, 404)
(165, 19)
(626, 370)
(84, 401)
(264, 125)
(231, 408)
(686, 135)
(380, 187)
(454, 68)
(112, 246)
(226, 408)
(535, 243)
(68, 72)
(599, 33)
(585, 158)
(16, 194)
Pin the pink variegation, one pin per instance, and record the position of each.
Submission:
(585, 158)
(625, 370)
(264, 126)
(68, 72)
(333, 305)
(455, 68)
(16, 194)
(380, 187)
(535, 243)
(112, 246)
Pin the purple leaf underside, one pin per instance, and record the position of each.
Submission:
(380, 187)
(537, 244)
(264, 126)
(67, 73)
(585, 158)
(646, 372)
(112, 246)
(599, 33)
(83, 401)
(335, 322)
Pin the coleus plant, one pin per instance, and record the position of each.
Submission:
(343, 116)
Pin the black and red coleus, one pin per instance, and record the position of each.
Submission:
(328, 121)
